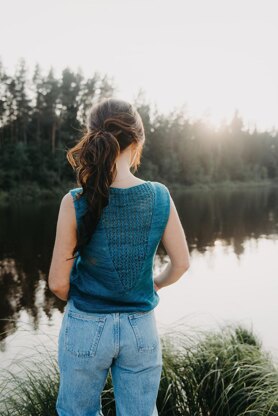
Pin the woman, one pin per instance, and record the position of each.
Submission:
(108, 231)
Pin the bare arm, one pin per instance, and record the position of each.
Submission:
(174, 241)
(59, 273)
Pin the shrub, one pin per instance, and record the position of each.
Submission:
(223, 373)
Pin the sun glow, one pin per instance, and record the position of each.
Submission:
(210, 57)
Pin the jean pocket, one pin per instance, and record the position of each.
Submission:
(83, 333)
(145, 330)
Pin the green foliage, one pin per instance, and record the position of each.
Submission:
(224, 373)
(43, 117)
(31, 389)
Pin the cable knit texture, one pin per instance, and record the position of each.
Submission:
(115, 271)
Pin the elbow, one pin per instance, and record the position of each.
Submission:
(186, 264)
(61, 291)
(182, 267)
(52, 286)
(185, 267)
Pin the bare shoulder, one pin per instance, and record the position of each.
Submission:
(67, 201)
(67, 210)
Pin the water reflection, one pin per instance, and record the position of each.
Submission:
(27, 233)
(232, 216)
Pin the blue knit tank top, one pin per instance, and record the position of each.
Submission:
(115, 271)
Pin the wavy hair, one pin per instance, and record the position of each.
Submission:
(112, 126)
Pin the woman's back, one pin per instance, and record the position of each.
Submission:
(114, 272)
(109, 321)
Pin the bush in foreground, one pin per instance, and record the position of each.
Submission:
(223, 373)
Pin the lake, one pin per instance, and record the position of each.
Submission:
(233, 278)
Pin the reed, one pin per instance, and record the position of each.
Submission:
(221, 373)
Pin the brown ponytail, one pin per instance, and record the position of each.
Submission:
(112, 126)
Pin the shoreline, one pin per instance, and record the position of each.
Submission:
(224, 185)
(32, 191)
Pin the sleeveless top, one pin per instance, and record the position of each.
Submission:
(115, 271)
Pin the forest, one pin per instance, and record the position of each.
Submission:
(42, 116)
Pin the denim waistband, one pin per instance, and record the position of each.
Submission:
(70, 307)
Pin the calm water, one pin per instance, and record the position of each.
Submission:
(232, 237)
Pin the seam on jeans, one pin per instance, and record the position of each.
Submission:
(139, 338)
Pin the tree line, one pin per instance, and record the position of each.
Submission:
(41, 116)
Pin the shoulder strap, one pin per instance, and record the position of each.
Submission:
(162, 196)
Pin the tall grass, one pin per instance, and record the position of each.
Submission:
(216, 373)
(220, 374)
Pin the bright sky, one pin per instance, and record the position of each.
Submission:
(211, 57)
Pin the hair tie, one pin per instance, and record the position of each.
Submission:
(99, 130)
(96, 132)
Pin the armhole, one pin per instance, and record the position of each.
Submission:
(163, 204)
(168, 205)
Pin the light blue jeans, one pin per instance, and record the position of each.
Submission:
(92, 343)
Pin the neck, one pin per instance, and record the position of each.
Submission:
(123, 176)
(123, 167)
